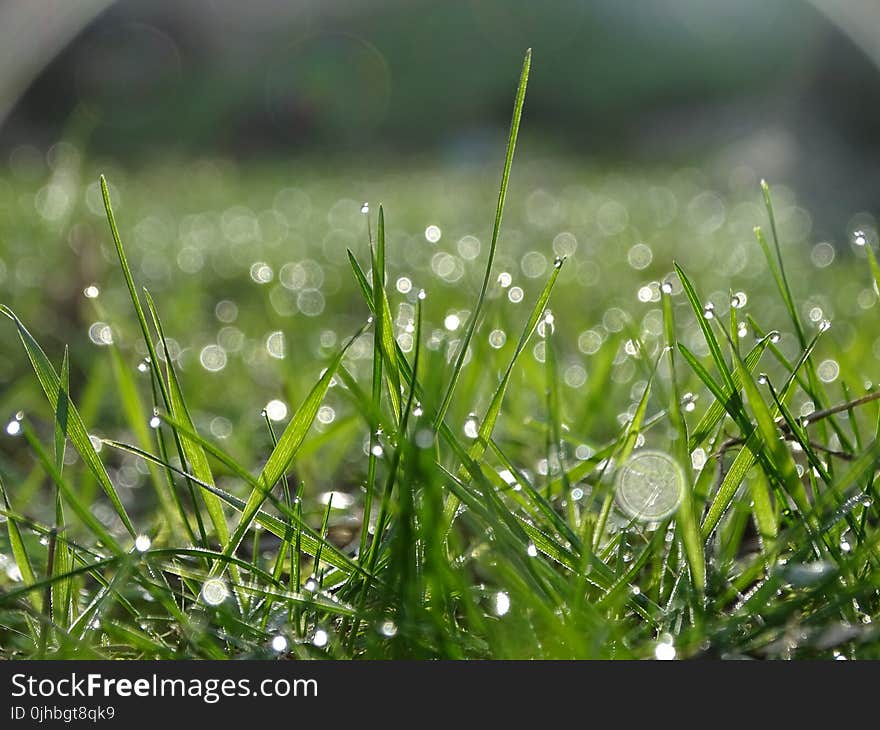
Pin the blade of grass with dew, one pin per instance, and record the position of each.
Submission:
(79, 436)
(625, 447)
(713, 415)
(706, 329)
(777, 267)
(398, 451)
(275, 525)
(487, 425)
(686, 517)
(195, 454)
(384, 326)
(777, 448)
(137, 420)
(283, 454)
(215, 510)
(60, 593)
(19, 553)
(493, 246)
(746, 457)
(69, 495)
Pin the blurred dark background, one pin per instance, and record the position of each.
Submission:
(789, 89)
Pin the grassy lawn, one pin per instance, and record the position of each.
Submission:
(620, 423)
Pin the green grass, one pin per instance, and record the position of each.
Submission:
(471, 402)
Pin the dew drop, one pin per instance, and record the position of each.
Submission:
(276, 410)
(279, 643)
(666, 287)
(501, 603)
(388, 628)
(531, 550)
(709, 310)
(763, 379)
(214, 591)
(739, 300)
(142, 543)
(377, 450)
(13, 428)
(155, 422)
(664, 651)
(91, 292)
(365, 208)
(471, 429)
(320, 638)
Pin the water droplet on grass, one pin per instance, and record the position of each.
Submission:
(709, 310)
(142, 543)
(501, 603)
(320, 638)
(739, 300)
(666, 287)
(91, 292)
(13, 428)
(214, 591)
(649, 486)
(276, 410)
(365, 208)
(388, 628)
(279, 644)
(664, 651)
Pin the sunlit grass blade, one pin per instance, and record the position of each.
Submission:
(19, 552)
(704, 323)
(308, 538)
(383, 324)
(747, 456)
(473, 320)
(687, 521)
(487, 425)
(713, 415)
(137, 420)
(79, 436)
(195, 455)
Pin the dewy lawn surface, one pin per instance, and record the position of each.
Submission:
(205, 401)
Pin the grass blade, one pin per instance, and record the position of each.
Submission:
(502, 196)
(79, 436)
